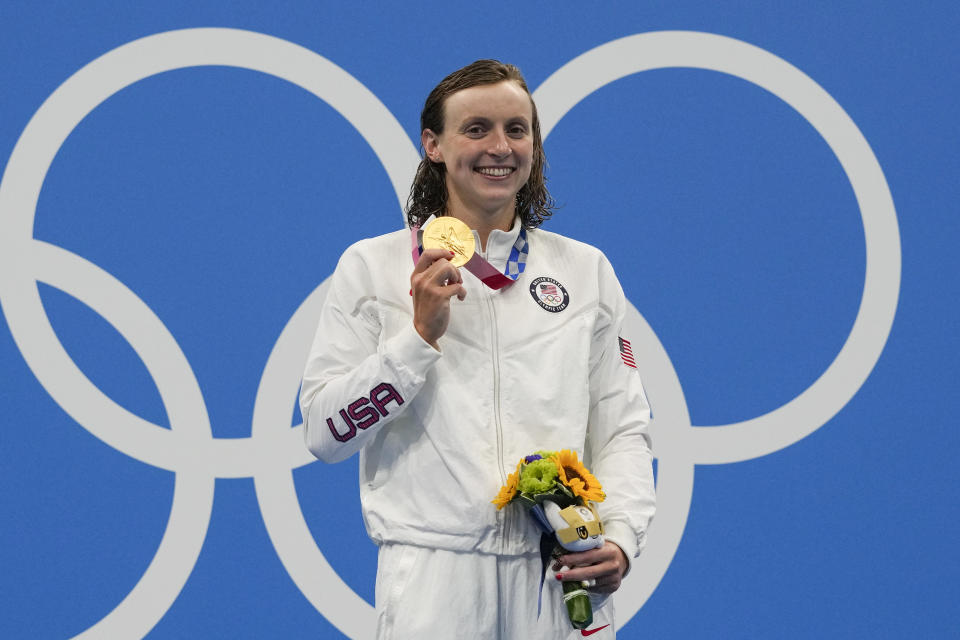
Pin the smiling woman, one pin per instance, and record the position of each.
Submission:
(469, 392)
(452, 104)
(487, 150)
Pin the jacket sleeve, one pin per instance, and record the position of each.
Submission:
(357, 380)
(617, 438)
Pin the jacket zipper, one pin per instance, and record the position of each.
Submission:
(495, 356)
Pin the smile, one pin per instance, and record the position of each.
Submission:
(497, 172)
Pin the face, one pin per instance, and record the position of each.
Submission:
(487, 148)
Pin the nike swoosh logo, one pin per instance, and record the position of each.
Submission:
(590, 632)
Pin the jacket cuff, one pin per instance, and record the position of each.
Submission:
(410, 354)
(622, 535)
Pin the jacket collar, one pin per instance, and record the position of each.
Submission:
(499, 244)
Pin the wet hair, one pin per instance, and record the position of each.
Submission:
(428, 194)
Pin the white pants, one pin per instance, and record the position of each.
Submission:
(437, 594)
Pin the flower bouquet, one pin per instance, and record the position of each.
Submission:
(557, 490)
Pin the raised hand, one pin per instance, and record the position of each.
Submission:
(433, 282)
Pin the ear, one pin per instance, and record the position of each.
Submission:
(552, 511)
(431, 145)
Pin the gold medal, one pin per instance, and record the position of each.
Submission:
(450, 234)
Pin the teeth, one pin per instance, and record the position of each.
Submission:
(495, 171)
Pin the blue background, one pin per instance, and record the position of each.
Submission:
(222, 197)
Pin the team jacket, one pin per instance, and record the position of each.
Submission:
(535, 365)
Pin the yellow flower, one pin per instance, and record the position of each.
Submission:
(578, 477)
(508, 490)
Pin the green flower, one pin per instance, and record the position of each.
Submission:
(539, 476)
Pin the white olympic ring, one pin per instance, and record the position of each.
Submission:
(188, 448)
(676, 441)
(273, 450)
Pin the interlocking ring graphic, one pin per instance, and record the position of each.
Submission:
(273, 449)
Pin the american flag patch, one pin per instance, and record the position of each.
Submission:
(627, 353)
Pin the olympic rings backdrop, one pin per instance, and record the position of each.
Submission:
(776, 188)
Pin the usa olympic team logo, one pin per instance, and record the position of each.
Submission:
(274, 449)
(549, 294)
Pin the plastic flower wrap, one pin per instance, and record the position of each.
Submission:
(557, 489)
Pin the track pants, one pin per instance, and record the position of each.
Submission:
(432, 593)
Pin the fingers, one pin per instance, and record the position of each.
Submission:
(440, 281)
(435, 268)
(583, 558)
(608, 552)
(447, 290)
(600, 570)
(604, 572)
(429, 257)
(433, 282)
(599, 577)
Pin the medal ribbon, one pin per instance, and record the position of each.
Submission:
(478, 265)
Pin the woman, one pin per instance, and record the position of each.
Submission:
(443, 381)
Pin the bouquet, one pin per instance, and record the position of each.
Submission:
(558, 492)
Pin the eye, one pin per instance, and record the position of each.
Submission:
(475, 130)
(517, 130)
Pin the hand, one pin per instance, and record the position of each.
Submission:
(606, 565)
(433, 282)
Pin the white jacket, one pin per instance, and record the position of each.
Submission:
(438, 432)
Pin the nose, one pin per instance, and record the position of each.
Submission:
(499, 144)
